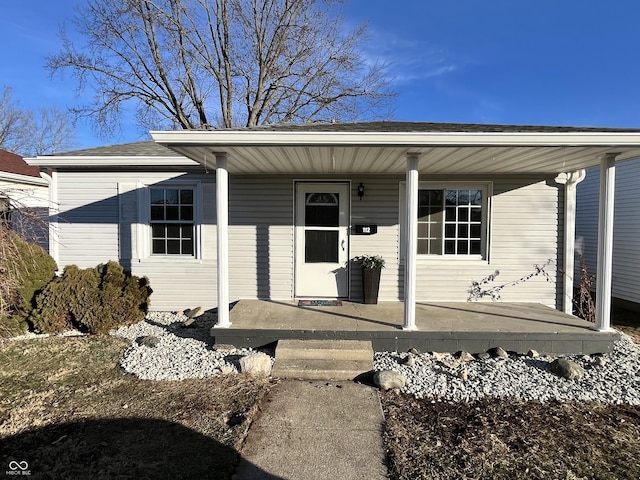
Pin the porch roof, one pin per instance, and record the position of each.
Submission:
(382, 147)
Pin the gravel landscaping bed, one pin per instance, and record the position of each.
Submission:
(180, 353)
(610, 378)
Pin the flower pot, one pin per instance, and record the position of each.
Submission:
(370, 284)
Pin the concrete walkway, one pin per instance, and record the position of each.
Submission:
(316, 430)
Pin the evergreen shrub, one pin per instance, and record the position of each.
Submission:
(25, 268)
(93, 300)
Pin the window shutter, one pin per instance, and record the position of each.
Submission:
(209, 203)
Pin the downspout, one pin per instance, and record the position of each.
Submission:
(570, 186)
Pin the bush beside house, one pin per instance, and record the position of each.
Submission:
(93, 300)
(25, 268)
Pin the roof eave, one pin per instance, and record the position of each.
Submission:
(25, 179)
(109, 161)
(231, 138)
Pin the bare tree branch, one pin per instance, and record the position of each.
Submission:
(30, 132)
(201, 63)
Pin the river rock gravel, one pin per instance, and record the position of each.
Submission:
(611, 378)
(183, 353)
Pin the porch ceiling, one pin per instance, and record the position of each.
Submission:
(451, 153)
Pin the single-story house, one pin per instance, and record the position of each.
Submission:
(625, 280)
(24, 187)
(279, 212)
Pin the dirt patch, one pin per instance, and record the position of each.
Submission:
(627, 321)
(495, 439)
(68, 410)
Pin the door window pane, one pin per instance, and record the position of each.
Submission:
(322, 210)
(321, 246)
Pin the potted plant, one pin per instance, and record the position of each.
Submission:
(372, 266)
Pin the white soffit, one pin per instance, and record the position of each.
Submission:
(384, 152)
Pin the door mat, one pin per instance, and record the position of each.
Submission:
(319, 303)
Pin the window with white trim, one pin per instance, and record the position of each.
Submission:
(450, 222)
(452, 219)
(171, 218)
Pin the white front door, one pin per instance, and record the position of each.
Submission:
(322, 240)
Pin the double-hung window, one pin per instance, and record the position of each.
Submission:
(452, 220)
(172, 221)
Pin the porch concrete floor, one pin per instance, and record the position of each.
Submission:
(474, 327)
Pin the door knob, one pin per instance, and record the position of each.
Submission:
(342, 245)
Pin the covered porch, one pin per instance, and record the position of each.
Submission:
(441, 327)
(421, 152)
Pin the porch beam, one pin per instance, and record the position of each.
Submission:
(222, 240)
(411, 243)
(570, 187)
(605, 242)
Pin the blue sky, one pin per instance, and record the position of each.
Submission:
(546, 62)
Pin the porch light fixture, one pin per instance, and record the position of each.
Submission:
(361, 190)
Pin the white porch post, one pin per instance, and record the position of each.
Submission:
(572, 181)
(605, 242)
(411, 243)
(222, 232)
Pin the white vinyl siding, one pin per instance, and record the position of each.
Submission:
(626, 228)
(523, 231)
(92, 213)
(379, 206)
(88, 207)
(261, 237)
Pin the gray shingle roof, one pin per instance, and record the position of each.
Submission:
(424, 127)
(147, 148)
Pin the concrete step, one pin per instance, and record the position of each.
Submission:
(314, 369)
(322, 359)
(325, 349)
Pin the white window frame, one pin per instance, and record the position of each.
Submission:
(487, 192)
(144, 214)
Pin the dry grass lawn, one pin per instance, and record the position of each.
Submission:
(68, 410)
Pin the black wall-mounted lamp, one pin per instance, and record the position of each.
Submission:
(361, 190)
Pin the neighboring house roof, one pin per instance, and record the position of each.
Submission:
(12, 163)
(15, 170)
